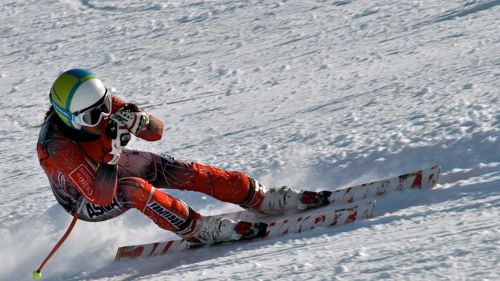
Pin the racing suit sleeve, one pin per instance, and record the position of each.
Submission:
(153, 131)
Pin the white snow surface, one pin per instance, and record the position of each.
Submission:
(315, 93)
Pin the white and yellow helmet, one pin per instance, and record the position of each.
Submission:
(80, 98)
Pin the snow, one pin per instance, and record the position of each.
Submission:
(317, 94)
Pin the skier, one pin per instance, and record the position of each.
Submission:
(82, 148)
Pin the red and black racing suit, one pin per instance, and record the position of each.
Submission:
(71, 157)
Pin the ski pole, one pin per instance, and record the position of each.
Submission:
(37, 274)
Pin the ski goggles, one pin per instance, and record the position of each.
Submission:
(93, 115)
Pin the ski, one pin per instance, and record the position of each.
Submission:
(276, 226)
(425, 178)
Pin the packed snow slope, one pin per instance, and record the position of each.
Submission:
(317, 94)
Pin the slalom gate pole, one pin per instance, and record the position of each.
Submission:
(37, 274)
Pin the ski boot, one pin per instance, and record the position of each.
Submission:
(216, 229)
(278, 200)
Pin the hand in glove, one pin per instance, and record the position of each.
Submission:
(120, 136)
(133, 118)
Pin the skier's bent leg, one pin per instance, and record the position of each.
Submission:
(236, 187)
(227, 186)
(166, 211)
(164, 171)
(174, 215)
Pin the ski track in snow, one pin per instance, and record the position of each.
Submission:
(320, 94)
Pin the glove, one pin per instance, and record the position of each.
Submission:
(133, 118)
(120, 136)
